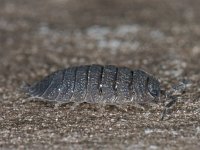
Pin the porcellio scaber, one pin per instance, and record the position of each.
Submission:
(98, 84)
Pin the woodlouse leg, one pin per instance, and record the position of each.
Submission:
(58, 104)
(122, 108)
(36, 99)
(28, 99)
(139, 106)
(74, 106)
(168, 105)
(101, 108)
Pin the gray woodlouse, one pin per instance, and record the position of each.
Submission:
(99, 84)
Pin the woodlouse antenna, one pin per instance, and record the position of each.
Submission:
(173, 94)
(168, 105)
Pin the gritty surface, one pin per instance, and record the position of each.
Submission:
(39, 37)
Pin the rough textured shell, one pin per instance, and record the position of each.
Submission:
(97, 84)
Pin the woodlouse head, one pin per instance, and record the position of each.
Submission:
(147, 87)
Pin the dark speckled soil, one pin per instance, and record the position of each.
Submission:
(38, 37)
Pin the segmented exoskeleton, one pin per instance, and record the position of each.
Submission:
(98, 84)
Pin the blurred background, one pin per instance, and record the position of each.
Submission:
(38, 37)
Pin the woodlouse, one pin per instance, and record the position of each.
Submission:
(99, 84)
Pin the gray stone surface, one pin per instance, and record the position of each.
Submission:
(38, 37)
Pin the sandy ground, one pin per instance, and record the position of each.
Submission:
(38, 37)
